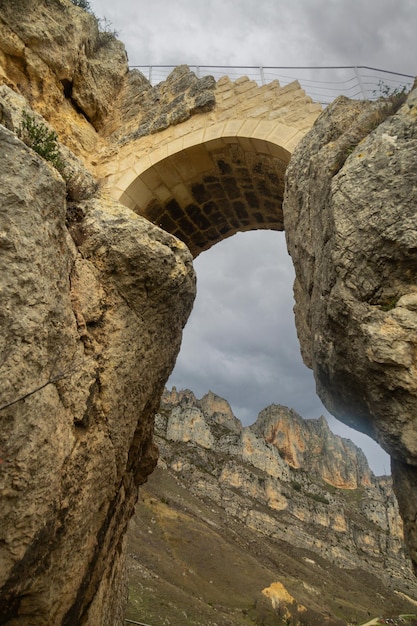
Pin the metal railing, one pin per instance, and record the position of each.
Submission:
(322, 84)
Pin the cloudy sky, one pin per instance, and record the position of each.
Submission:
(240, 341)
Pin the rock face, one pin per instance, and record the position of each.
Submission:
(93, 300)
(91, 322)
(350, 224)
(318, 495)
(145, 109)
(76, 75)
(311, 444)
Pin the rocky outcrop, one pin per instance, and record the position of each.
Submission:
(328, 501)
(144, 109)
(75, 73)
(311, 444)
(90, 336)
(350, 225)
(92, 304)
(47, 51)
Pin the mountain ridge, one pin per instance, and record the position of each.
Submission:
(240, 478)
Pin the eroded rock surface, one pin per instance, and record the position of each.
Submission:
(93, 299)
(311, 444)
(329, 502)
(350, 221)
(92, 304)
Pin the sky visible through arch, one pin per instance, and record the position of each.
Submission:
(240, 341)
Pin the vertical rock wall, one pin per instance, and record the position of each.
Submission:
(91, 320)
(93, 299)
(350, 222)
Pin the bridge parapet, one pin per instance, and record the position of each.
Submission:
(244, 98)
(323, 83)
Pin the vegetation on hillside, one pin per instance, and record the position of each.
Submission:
(190, 563)
(83, 4)
(106, 30)
(41, 139)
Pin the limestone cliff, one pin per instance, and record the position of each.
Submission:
(311, 445)
(317, 492)
(93, 300)
(76, 75)
(350, 220)
(247, 491)
(91, 311)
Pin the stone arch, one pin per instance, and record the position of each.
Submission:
(213, 182)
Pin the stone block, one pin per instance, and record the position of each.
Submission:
(151, 178)
(139, 192)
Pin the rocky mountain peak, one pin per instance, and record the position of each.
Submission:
(219, 411)
(307, 445)
(311, 445)
(212, 408)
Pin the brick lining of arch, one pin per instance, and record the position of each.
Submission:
(208, 191)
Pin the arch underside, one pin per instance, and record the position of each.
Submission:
(210, 191)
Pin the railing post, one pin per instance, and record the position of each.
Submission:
(360, 83)
(261, 71)
(150, 74)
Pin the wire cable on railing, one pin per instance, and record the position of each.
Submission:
(349, 80)
(285, 67)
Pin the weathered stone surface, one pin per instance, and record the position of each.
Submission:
(208, 161)
(350, 220)
(89, 336)
(405, 485)
(330, 503)
(144, 109)
(311, 444)
(80, 184)
(55, 36)
(98, 78)
(53, 53)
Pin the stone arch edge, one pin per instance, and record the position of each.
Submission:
(276, 140)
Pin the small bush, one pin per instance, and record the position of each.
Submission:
(393, 96)
(385, 91)
(83, 4)
(317, 497)
(37, 136)
(106, 32)
(389, 304)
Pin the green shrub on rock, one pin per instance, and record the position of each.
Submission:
(37, 136)
(83, 4)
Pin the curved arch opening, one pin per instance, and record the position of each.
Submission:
(203, 194)
(240, 341)
(210, 191)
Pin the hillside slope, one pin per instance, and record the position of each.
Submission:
(229, 533)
